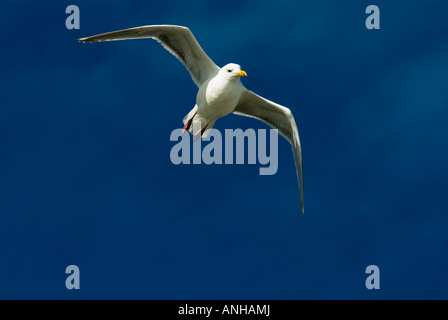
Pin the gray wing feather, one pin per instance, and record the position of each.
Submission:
(278, 117)
(178, 40)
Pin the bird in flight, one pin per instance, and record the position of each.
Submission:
(220, 89)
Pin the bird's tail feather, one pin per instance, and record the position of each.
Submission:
(198, 122)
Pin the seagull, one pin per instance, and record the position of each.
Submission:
(220, 89)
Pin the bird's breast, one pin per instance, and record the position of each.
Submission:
(218, 99)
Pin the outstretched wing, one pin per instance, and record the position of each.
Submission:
(176, 39)
(278, 117)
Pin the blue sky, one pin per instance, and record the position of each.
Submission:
(86, 178)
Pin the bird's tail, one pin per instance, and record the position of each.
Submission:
(196, 124)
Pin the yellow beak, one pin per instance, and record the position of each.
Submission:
(242, 73)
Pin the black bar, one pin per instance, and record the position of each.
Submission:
(225, 309)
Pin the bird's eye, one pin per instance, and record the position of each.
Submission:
(229, 70)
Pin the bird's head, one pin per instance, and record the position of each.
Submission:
(233, 70)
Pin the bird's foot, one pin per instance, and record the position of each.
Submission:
(198, 134)
(187, 125)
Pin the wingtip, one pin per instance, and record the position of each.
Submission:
(85, 40)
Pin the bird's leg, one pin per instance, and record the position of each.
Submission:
(199, 133)
(188, 124)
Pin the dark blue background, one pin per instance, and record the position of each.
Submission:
(86, 178)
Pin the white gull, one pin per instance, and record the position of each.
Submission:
(220, 89)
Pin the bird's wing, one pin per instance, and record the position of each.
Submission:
(176, 39)
(278, 117)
